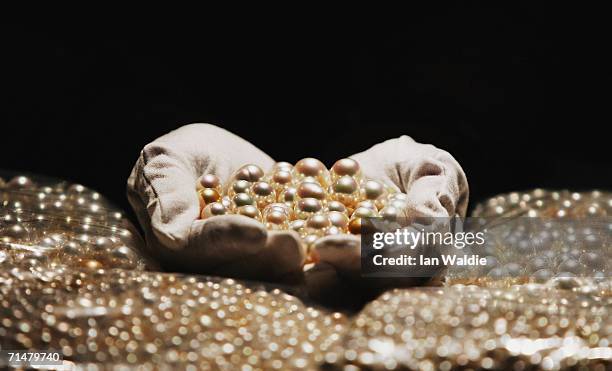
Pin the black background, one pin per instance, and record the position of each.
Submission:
(514, 94)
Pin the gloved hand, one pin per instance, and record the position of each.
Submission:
(436, 187)
(161, 190)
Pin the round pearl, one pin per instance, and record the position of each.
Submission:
(209, 181)
(249, 211)
(288, 195)
(282, 166)
(239, 186)
(390, 213)
(250, 173)
(242, 199)
(276, 219)
(364, 212)
(297, 225)
(276, 216)
(264, 194)
(367, 204)
(338, 219)
(318, 221)
(310, 167)
(213, 209)
(262, 189)
(345, 166)
(209, 195)
(355, 225)
(282, 177)
(336, 206)
(306, 207)
(311, 190)
(345, 184)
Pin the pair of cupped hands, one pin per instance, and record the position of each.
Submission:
(161, 189)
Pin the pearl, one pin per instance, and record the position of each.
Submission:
(310, 190)
(305, 207)
(318, 221)
(374, 190)
(276, 219)
(289, 195)
(302, 198)
(345, 166)
(355, 225)
(282, 166)
(311, 167)
(336, 206)
(209, 181)
(249, 211)
(281, 179)
(369, 204)
(239, 186)
(364, 212)
(390, 213)
(297, 225)
(213, 209)
(346, 191)
(250, 173)
(208, 195)
(338, 219)
(242, 199)
(263, 194)
(333, 230)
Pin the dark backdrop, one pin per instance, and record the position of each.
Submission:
(511, 93)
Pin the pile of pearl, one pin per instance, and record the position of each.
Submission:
(53, 226)
(522, 327)
(307, 198)
(65, 284)
(539, 236)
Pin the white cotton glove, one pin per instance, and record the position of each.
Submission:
(162, 191)
(436, 187)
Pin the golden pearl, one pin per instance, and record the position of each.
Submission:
(336, 206)
(355, 225)
(209, 195)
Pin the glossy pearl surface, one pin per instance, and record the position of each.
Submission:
(301, 197)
